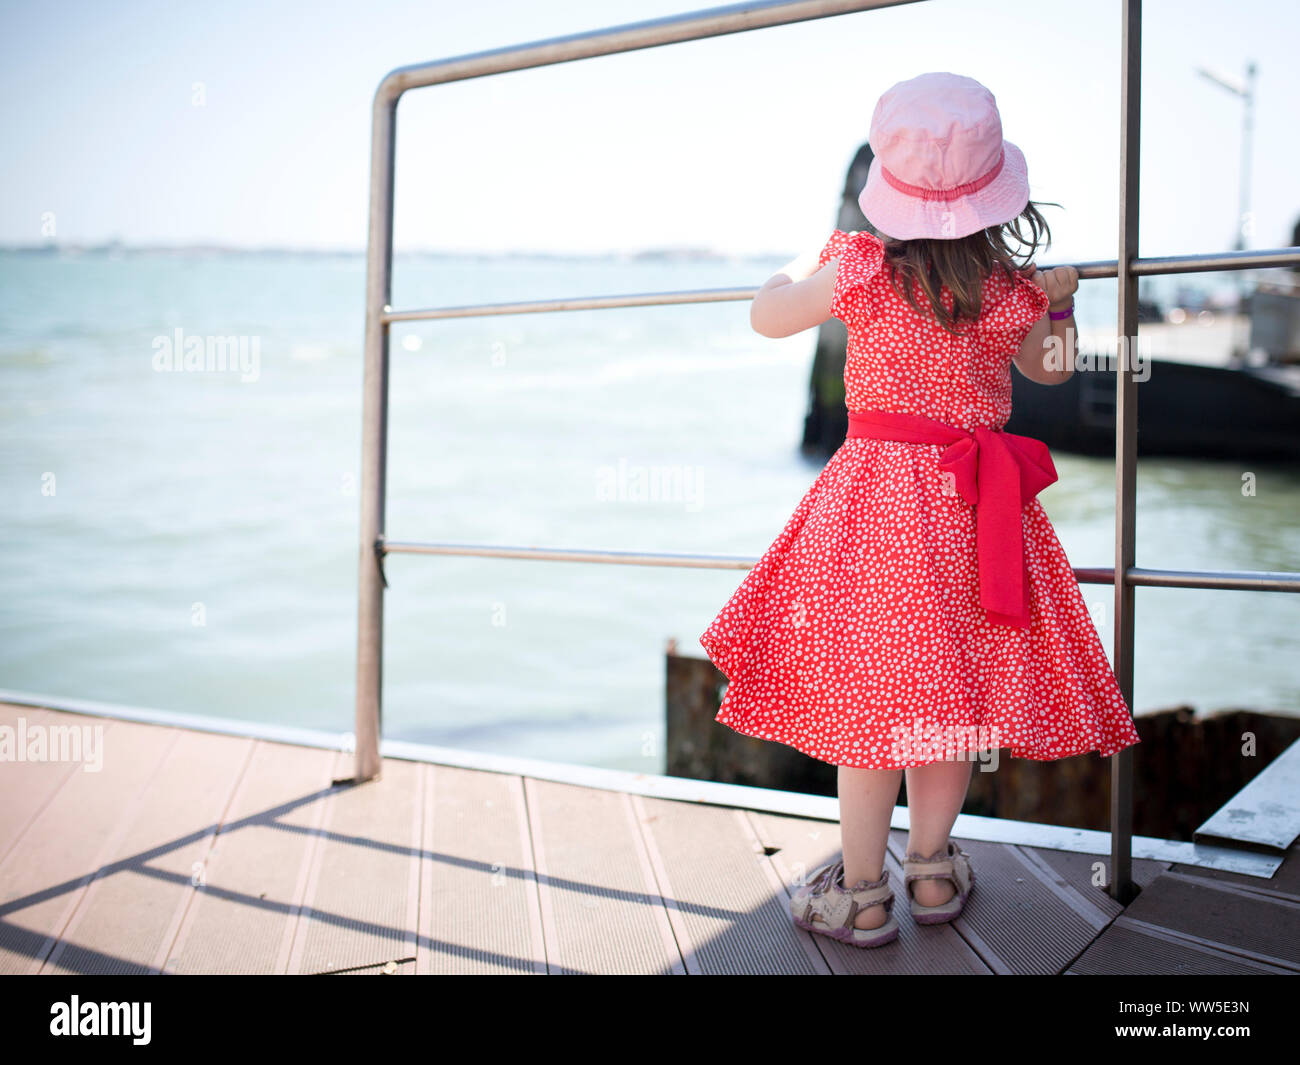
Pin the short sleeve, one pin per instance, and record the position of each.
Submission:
(1011, 317)
(861, 255)
(835, 246)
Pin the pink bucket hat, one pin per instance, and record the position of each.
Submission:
(940, 167)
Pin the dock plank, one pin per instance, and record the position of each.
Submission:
(1285, 882)
(1223, 916)
(1126, 949)
(133, 907)
(1018, 920)
(601, 905)
(1080, 871)
(362, 902)
(242, 918)
(26, 786)
(726, 901)
(479, 910)
(45, 874)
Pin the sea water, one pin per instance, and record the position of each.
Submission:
(180, 445)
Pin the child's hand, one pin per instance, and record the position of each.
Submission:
(1060, 283)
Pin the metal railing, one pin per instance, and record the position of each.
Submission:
(1127, 268)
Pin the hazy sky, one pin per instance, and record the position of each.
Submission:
(247, 124)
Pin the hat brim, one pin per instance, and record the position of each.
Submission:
(905, 217)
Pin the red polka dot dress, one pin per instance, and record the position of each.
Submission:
(859, 636)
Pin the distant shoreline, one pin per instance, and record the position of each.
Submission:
(669, 254)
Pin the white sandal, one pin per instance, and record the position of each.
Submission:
(826, 897)
(950, 863)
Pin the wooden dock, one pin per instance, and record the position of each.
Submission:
(197, 852)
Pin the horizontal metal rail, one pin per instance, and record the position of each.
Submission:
(576, 303)
(1221, 580)
(1171, 264)
(613, 40)
(1265, 259)
(576, 554)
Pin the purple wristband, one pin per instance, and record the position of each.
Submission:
(1056, 316)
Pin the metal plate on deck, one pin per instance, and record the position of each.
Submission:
(1266, 812)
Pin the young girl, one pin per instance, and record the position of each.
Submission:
(918, 607)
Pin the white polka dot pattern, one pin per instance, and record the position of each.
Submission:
(858, 638)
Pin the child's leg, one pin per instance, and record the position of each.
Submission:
(935, 794)
(867, 798)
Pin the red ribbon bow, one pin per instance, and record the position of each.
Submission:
(997, 473)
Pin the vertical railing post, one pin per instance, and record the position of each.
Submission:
(1121, 764)
(374, 435)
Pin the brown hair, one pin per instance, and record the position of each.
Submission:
(962, 264)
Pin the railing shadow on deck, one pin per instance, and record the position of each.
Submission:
(40, 945)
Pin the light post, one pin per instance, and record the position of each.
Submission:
(1245, 90)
